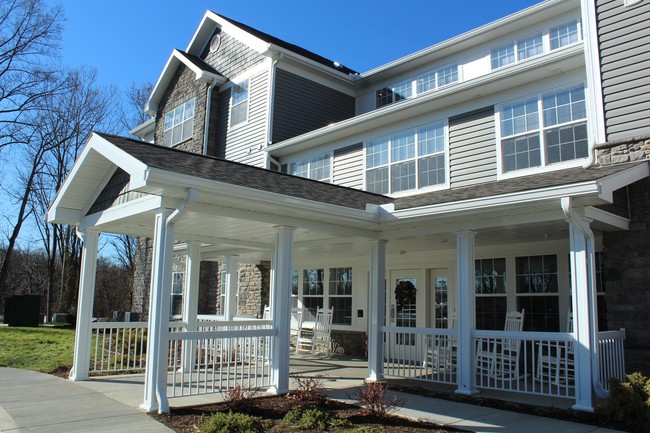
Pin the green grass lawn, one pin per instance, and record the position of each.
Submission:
(40, 349)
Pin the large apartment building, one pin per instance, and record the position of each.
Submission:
(503, 169)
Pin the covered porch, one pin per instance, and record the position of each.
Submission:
(217, 210)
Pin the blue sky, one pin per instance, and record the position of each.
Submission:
(130, 41)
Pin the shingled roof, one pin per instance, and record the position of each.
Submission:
(291, 47)
(198, 62)
(217, 169)
(507, 186)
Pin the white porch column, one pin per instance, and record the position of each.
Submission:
(466, 311)
(376, 310)
(230, 283)
(155, 385)
(191, 296)
(582, 268)
(83, 333)
(281, 309)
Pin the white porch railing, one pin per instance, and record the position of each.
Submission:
(118, 347)
(420, 353)
(611, 356)
(539, 363)
(212, 361)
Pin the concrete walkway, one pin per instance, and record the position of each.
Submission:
(34, 402)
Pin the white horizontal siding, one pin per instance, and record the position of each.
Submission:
(244, 143)
(347, 169)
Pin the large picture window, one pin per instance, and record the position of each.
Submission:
(179, 124)
(239, 103)
(543, 130)
(407, 160)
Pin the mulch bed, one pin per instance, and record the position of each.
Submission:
(272, 409)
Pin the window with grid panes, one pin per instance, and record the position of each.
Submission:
(340, 295)
(491, 297)
(239, 103)
(537, 292)
(312, 291)
(176, 304)
(407, 160)
(179, 124)
(564, 34)
(317, 167)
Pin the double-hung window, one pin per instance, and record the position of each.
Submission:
(425, 82)
(317, 168)
(179, 124)
(545, 129)
(491, 293)
(176, 304)
(407, 160)
(239, 103)
(313, 295)
(537, 292)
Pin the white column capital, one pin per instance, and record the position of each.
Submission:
(279, 229)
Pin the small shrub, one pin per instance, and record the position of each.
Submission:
(362, 429)
(231, 422)
(238, 398)
(374, 401)
(309, 391)
(315, 419)
(628, 403)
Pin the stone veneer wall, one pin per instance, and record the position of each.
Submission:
(142, 277)
(627, 258)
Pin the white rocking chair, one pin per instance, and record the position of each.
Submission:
(555, 363)
(317, 340)
(500, 359)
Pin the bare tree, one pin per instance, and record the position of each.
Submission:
(133, 109)
(30, 33)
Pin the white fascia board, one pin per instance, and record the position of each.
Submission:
(210, 22)
(618, 180)
(136, 168)
(395, 112)
(144, 128)
(60, 215)
(607, 218)
(518, 198)
(124, 210)
(482, 33)
(314, 64)
(166, 179)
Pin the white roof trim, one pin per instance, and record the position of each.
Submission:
(175, 59)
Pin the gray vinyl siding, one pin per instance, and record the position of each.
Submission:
(301, 105)
(243, 142)
(624, 39)
(347, 166)
(472, 148)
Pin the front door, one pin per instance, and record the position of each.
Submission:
(440, 300)
(402, 312)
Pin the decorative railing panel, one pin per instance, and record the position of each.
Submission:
(611, 356)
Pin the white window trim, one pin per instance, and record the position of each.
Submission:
(326, 295)
(248, 104)
(170, 130)
(308, 159)
(544, 167)
(416, 190)
(181, 295)
(414, 84)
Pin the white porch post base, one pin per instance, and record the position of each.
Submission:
(376, 311)
(281, 309)
(466, 312)
(158, 316)
(83, 334)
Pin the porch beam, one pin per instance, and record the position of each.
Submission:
(83, 333)
(376, 310)
(281, 309)
(466, 311)
(158, 313)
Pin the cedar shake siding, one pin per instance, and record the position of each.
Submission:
(232, 57)
(472, 148)
(301, 105)
(624, 38)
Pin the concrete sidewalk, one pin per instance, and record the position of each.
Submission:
(37, 402)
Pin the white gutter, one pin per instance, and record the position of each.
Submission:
(583, 227)
(192, 195)
(269, 108)
(206, 126)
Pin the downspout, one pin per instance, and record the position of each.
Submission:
(584, 228)
(161, 388)
(206, 125)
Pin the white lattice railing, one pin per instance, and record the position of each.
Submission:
(217, 360)
(420, 353)
(611, 356)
